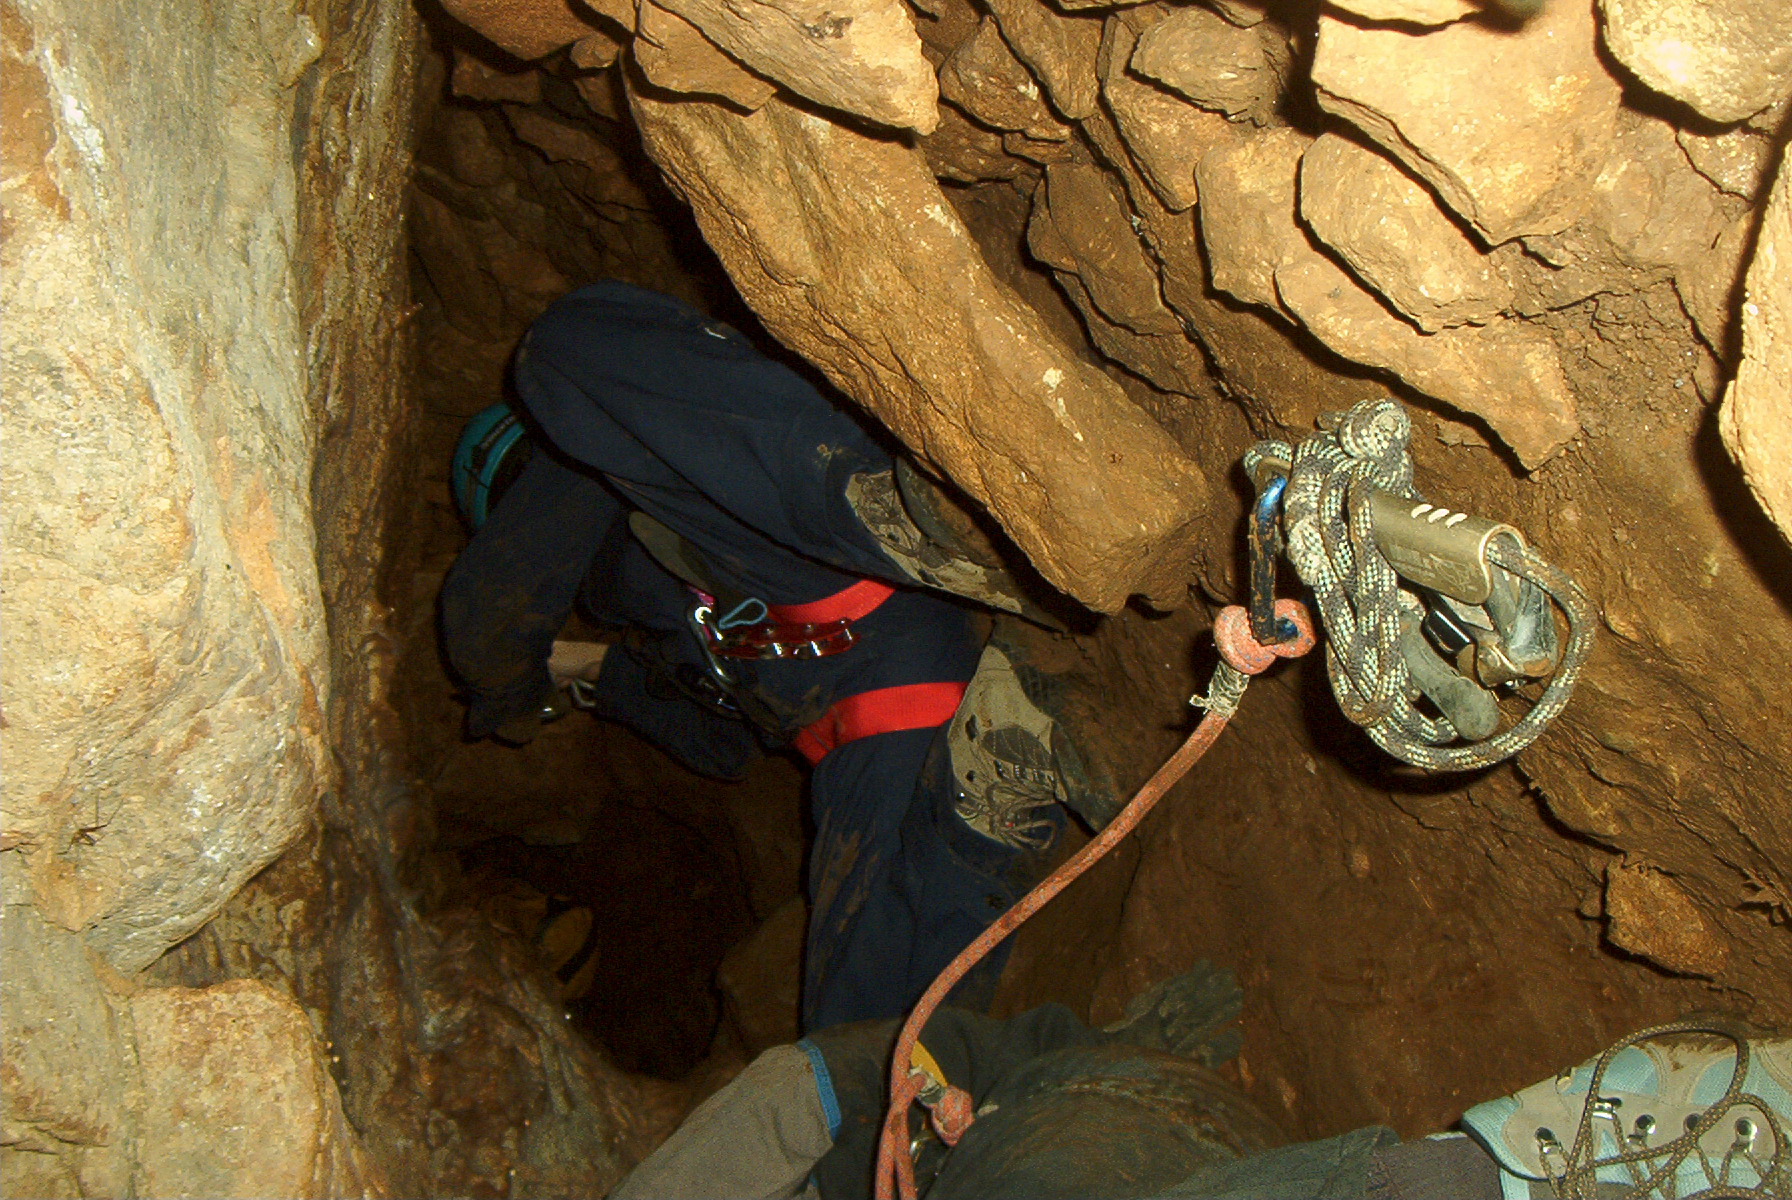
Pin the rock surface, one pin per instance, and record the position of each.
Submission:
(1166, 135)
(1463, 108)
(1757, 414)
(1080, 225)
(851, 255)
(859, 56)
(1728, 59)
(1389, 230)
(985, 80)
(674, 54)
(1059, 49)
(1411, 12)
(1199, 54)
(528, 29)
(1247, 213)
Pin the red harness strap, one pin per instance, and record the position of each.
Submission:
(886, 710)
(849, 604)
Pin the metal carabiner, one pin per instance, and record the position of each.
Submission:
(1269, 474)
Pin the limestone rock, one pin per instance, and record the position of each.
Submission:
(965, 152)
(528, 29)
(1389, 230)
(985, 80)
(1505, 126)
(1060, 50)
(1043, 153)
(1736, 160)
(674, 54)
(847, 250)
(476, 79)
(859, 56)
(1242, 13)
(223, 1067)
(1199, 54)
(1649, 915)
(1507, 374)
(1729, 59)
(1084, 5)
(620, 13)
(1410, 12)
(1165, 135)
(1247, 213)
(595, 51)
(1082, 226)
(1757, 414)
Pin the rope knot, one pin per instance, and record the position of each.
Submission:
(1377, 432)
(952, 1114)
(1244, 653)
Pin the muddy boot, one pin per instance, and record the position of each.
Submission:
(1186, 1016)
(935, 542)
(1669, 1099)
(1013, 758)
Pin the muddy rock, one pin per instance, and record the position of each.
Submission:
(1728, 59)
(673, 54)
(1736, 160)
(1166, 135)
(881, 286)
(965, 152)
(1199, 54)
(1247, 214)
(1388, 228)
(1059, 49)
(1505, 127)
(1757, 419)
(1505, 373)
(528, 29)
(1081, 225)
(859, 56)
(1411, 12)
(985, 80)
(222, 1066)
(1647, 914)
(476, 79)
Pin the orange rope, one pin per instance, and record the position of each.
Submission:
(895, 1168)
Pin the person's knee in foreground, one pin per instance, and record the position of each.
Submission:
(780, 576)
(1135, 1111)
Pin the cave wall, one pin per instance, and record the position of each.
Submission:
(207, 362)
(1249, 214)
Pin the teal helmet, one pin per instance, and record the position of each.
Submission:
(492, 452)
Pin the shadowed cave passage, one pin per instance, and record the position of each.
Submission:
(271, 926)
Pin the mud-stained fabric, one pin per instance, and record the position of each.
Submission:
(756, 1139)
(650, 406)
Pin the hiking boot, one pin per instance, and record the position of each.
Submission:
(1186, 1016)
(1667, 1099)
(935, 542)
(1012, 758)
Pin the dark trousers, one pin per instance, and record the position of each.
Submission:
(647, 405)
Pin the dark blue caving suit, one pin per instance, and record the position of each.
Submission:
(652, 406)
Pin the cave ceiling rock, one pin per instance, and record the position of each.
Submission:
(1081, 225)
(596, 50)
(1041, 153)
(1504, 126)
(1164, 134)
(1247, 213)
(1203, 57)
(1756, 419)
(1060, 50)
(1410, 12)
(1727, 59)
(475, 79)
(608, 178)
(1391, 233)
(1242, 13)
(846, 248)
(525, 29)
(673, 54)
(862, 57)
(1083, 229)
(1736, 160)
(985, 80)
(1507, 373)
(965, 152)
